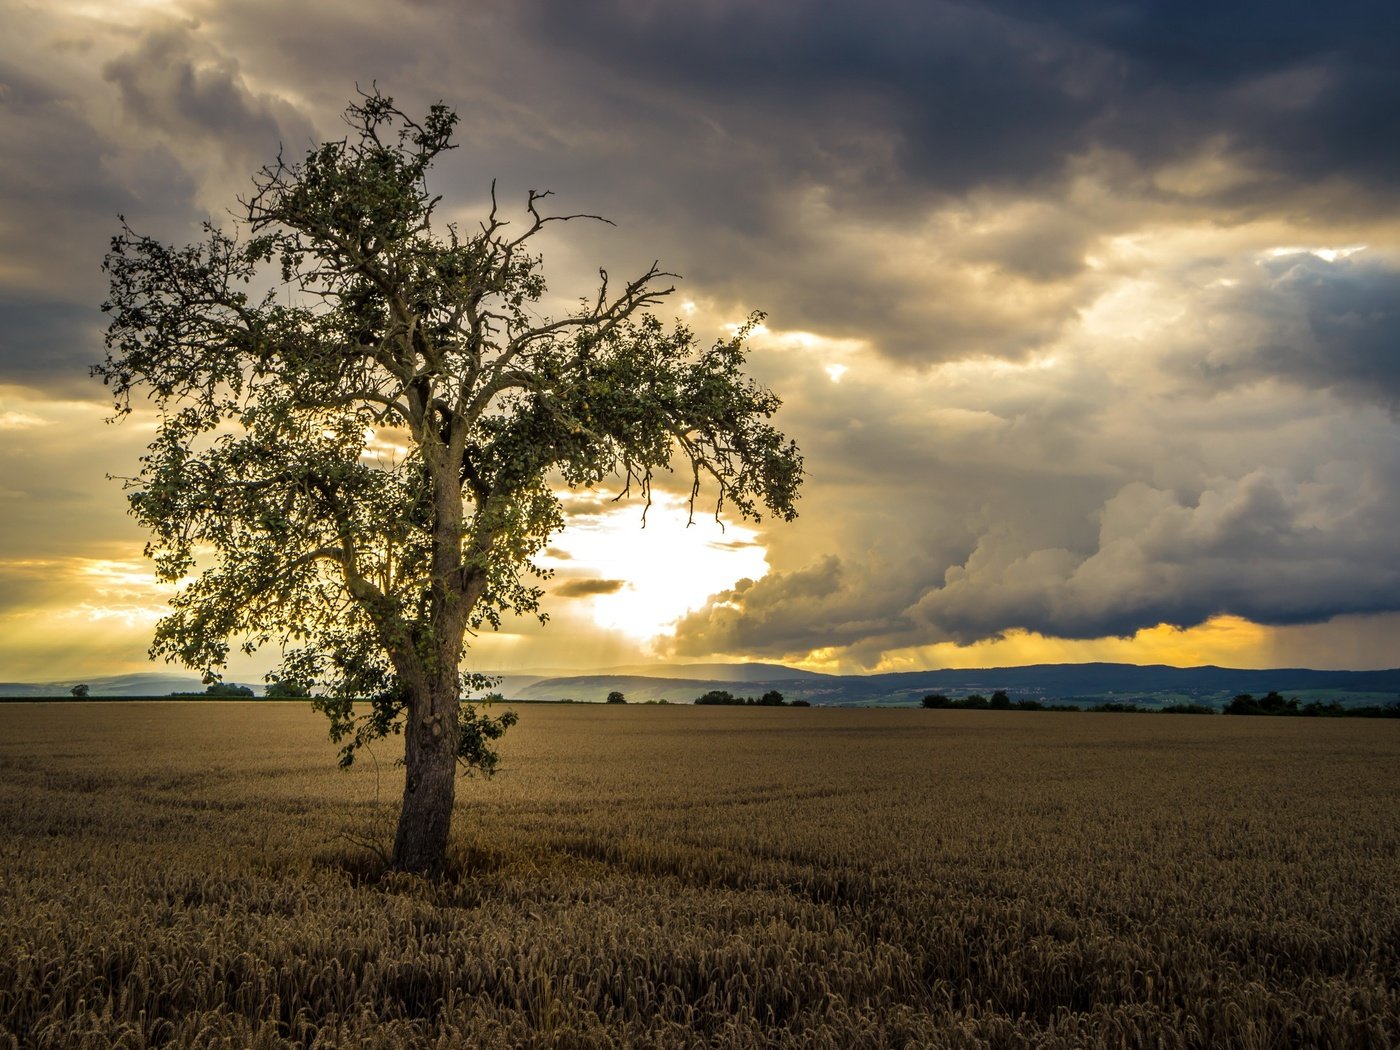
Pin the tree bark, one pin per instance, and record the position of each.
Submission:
(430, 783)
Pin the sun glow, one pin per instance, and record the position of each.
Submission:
(639, 580)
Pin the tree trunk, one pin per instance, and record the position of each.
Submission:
(430, 783)
(431, 731)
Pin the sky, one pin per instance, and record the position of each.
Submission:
(1086, 316)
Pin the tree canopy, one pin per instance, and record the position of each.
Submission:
(339, 312)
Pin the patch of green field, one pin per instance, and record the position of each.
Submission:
(202, 875)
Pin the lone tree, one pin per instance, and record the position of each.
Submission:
(338, 307)
(616, 697)
(80, 692)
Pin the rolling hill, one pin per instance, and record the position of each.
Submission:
(1067, 683)
(1088, 683)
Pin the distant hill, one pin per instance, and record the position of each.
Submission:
(1099, 680)
(1067, 683)
(1090, 683)
(688, 672)
(638, 688)
(149, 684)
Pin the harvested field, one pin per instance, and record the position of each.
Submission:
(200, 875)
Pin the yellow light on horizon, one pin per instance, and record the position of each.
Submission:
(1227, 641)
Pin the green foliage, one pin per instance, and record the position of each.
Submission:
(286, 689)
(1272, 704)
(475, 735)
(339, 305)
(476, 730)
(999, 701)
(718, 697)
(1368, 711)
(616, 697)
(229, 690)
(724, 698)
(80, 692)
(1317, 709)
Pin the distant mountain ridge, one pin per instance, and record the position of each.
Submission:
(141, 684)
(711, 672)
(682, 683)
(1089, 682)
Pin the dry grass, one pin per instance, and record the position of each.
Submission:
(186, 874)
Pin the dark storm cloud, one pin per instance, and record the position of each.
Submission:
(883, 110)
(974, 94)
(50, 343)
(884, 113)
(787, 130)
(1327, 325)
(1310, 89)
(931, 76)
(187, 123)
(62, 186)
(792, 131)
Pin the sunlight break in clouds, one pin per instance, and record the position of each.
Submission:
(76, 616)
(20, 421)
(665, 569)
(1328, 254)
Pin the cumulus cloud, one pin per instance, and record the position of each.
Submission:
(1268, 548)
(1165, 463)
(1265, 546)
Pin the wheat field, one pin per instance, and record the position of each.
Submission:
(200, 874)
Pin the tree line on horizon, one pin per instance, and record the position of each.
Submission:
(724, 698)
(1271, 704)
(1243, 704)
